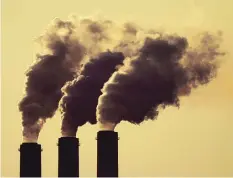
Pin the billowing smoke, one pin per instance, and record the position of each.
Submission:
(164, 69)
(78, 105)
(157, 69)
(95, 34)
(58, 64)
(65, 45)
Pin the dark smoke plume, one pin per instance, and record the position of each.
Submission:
(48, 75)
(164, 70)
(155, 73)
(79, 102)
(64, 45)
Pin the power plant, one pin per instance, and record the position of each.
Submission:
(30, 160)
(128, 84)
(68, 156)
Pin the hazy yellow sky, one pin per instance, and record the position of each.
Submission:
(196, 140)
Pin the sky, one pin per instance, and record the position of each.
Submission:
(195, 140)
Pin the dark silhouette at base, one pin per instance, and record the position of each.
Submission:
(30, 160)
(107, 154)
(68, 157)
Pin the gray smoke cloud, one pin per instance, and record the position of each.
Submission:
(164, 69)
(157, 70)
(80, 99)
(58, 64)
(66, 46)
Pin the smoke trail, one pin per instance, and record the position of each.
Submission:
(100, 35)
(132, 38)
(79, 103)
(48, 75)
(96, 34)
(64, 46)
(164, 70)
(161, 68)
(202, 62)
(128, 42)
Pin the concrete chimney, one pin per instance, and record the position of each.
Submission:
(107, 154)
(30, 160)
(68, 157)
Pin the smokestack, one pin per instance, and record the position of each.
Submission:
(30, 160)
(68, 157)
(107, 154)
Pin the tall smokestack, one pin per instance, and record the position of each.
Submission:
(30, 160)
(107, 154)
(68, 157)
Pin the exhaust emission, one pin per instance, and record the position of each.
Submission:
(141, 73)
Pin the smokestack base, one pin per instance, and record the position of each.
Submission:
(68, 157)
(107, 154)
(30, 160)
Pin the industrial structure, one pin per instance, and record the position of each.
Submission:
(68, 157)
(30, 160)
(107, 154)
